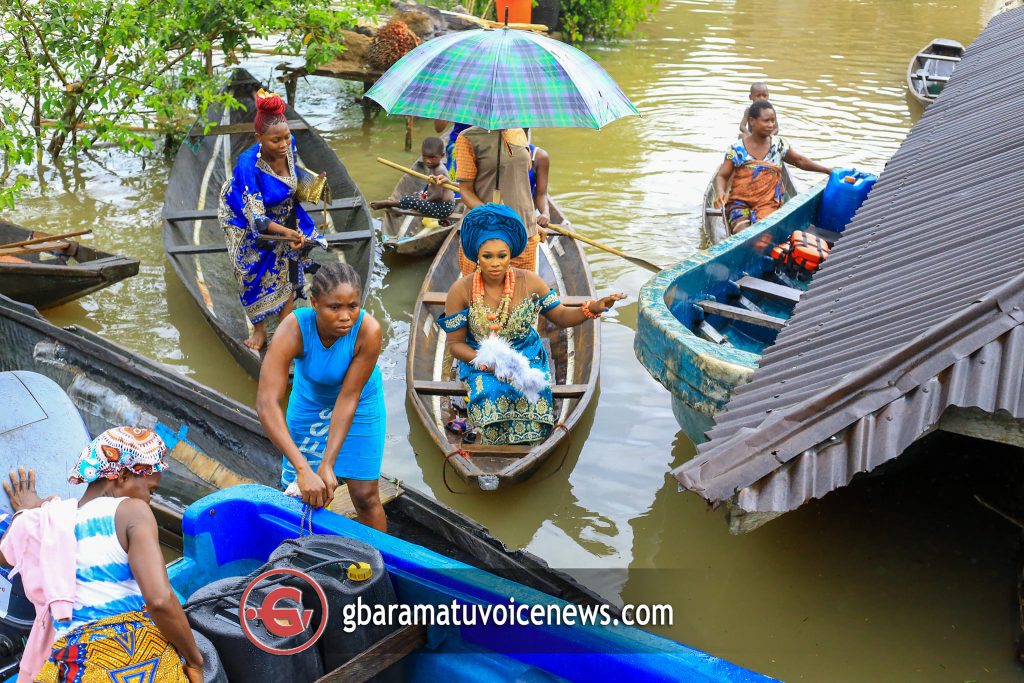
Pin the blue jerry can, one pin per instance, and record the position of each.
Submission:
(846, 191)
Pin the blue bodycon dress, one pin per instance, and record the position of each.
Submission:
(319, 373)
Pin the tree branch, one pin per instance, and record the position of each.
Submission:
(42, 43)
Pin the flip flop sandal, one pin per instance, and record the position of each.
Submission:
(457, 426)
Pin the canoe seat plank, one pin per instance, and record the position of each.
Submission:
(379, 656)
(741, 314)
(350, 236)
(708, 331)
(941, 58)
(438, 299)
(342, 503)
(332, 239)
(497, 451)
(922, 75)
(769, 290)
(209, 214)
(241, 128)
(428, 388)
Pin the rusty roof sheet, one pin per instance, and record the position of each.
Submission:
(918, 308)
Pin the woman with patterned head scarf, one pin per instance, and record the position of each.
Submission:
(125, 613)
(494, 309)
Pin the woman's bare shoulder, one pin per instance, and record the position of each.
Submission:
(370, 326)
(532, 281)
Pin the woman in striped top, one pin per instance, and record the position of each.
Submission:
(125, 612)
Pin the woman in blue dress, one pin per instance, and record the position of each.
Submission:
(504, 301)
(334, 426)
(258, 199)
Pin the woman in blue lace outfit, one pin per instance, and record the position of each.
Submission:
(505, 301)
(259, 199)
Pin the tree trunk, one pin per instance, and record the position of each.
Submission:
(67, 123)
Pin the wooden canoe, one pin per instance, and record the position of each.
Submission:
(216, 442)
(403, 233)
(930, 68)
(194, 240)
(575, 354)
(66, 271)
(713, 226)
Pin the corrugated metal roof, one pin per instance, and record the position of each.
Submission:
(918, 308)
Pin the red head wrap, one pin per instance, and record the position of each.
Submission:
(269, 111)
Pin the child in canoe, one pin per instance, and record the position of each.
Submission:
(758, 92)
(434, 200)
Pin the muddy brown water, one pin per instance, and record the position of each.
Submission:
(899, 578)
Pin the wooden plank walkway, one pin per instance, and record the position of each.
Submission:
(342, 503)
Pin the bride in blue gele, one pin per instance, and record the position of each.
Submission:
(260, 200)
(503, 302)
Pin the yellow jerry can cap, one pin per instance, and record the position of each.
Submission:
(359, 571)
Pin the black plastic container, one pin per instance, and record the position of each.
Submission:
(213, 611)
(337, 646)
(213, 669)
(546, 12)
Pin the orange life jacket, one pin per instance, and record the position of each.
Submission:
(802, 251)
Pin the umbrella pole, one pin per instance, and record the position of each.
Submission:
(496, 195)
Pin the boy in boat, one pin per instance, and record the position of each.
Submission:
(758, 92)
(434, 200)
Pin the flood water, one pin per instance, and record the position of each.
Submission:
(899, 578)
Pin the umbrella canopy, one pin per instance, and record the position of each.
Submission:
(502, 78)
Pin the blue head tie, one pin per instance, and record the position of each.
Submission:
(492, 222)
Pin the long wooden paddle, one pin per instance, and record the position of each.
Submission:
(34, 249)
(557, 228)
(47, 238)
(636, 260)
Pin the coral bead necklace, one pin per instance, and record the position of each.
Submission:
(496, 318)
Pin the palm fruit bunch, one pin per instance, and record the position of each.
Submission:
(391, 42)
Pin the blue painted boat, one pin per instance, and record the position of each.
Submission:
(704, 322)
(235, 531)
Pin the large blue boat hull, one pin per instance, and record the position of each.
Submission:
(234, 531)
(700, 374)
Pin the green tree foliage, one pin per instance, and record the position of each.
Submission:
(603, 18)
(80, 72)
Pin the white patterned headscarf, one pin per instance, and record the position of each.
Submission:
(140, 451)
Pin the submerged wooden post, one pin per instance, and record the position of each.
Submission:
(290, 86)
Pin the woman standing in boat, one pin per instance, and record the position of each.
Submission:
(334, 427)
(260, 199)
(754, 166)
(499, 300)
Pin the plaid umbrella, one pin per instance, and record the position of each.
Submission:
(499, 79)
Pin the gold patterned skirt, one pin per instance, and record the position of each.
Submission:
(123, 648)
